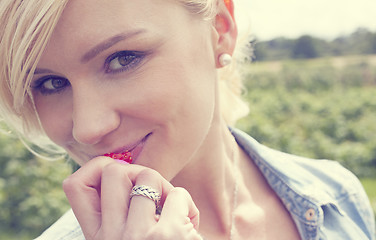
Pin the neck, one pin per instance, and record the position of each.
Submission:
(210, 179)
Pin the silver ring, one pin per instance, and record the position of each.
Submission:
(146, 191)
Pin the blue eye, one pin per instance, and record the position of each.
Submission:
(123, 61)
(50, 84)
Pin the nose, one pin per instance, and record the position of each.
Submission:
(93, 116)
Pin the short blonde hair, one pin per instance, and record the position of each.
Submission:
(25, 29)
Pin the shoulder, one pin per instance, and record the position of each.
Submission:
(326, 184)
(66, 228)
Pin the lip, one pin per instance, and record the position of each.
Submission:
(134, 149)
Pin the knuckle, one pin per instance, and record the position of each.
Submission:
(111, 168)
(148, 175)
(148, 172)
(115, 169)
(70, 184)
(180, 192)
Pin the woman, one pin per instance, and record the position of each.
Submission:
(138, 81)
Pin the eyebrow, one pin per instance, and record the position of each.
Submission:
(97, 49)
(108, 43)
(41, 71)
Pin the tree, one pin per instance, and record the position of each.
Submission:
(304, 47)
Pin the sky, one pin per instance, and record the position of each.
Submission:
(321, 18)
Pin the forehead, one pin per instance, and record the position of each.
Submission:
(81, 15)
(85, 23)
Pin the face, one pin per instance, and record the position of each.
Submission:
(128, 75)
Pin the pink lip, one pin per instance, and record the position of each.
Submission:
(128, 154)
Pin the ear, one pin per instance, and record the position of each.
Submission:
(225, 30)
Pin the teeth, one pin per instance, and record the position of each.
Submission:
(125, 156)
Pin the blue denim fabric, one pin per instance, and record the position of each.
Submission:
(325, 200)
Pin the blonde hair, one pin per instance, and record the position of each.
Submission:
(25, 29)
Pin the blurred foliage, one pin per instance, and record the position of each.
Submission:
(304, 47)
(31, 197)
(361, 41)
(316, 109)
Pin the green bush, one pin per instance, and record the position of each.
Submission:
(31, 197)
(315, 109)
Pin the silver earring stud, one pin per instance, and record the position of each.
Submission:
(225, 59)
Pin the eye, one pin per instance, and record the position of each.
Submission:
(123, 61)
(50, 84)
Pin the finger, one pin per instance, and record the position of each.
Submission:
(116, 185)
(141, 214)
(115, 190)
(177, 207)
(83, 193)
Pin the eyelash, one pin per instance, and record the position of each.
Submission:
(132, 59)
(40, 85)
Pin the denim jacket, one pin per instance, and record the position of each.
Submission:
(325, 200)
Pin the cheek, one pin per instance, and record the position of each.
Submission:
(181, 109)
(182, 106)
(174, 91)
(55, 119)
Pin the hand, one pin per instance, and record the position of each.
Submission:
(99, 196)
